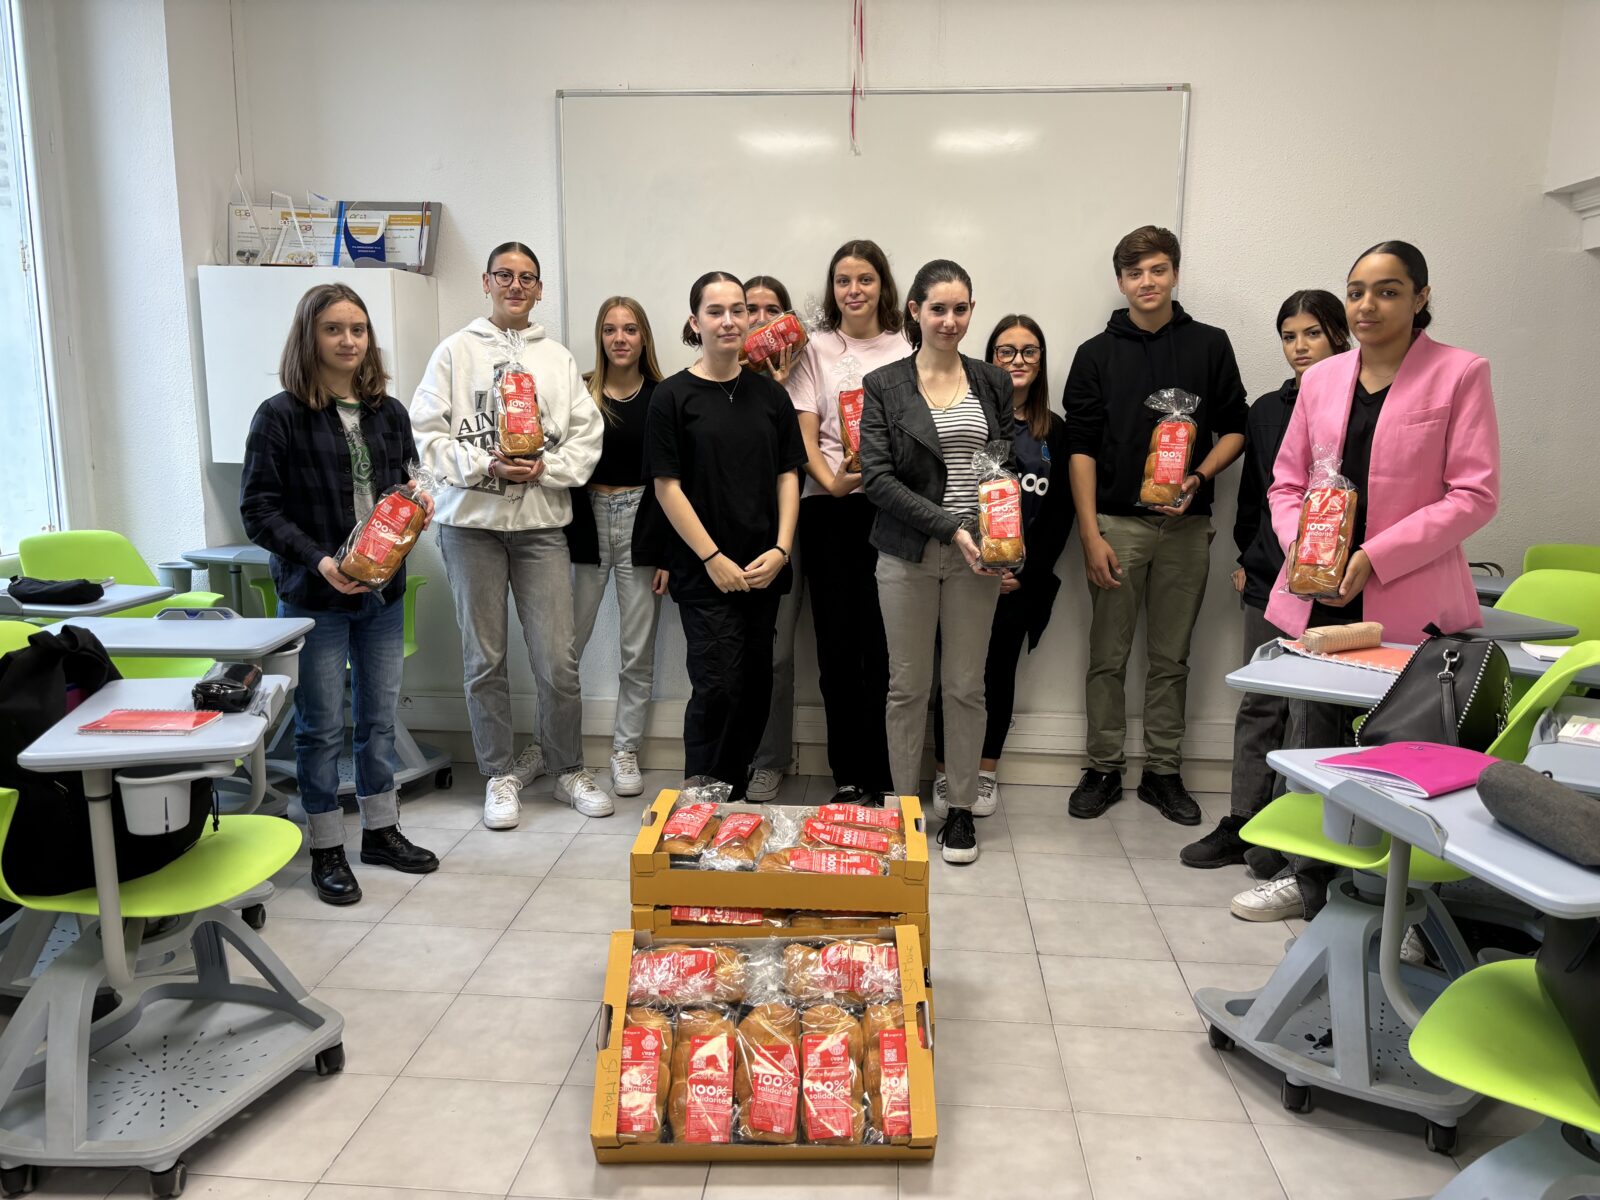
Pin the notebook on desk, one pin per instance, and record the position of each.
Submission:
(1419, 770)
(1391, 660)
(150, 720)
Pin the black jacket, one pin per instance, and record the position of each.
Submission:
(296, 496)
(1044, 539)
(902, 467)
(1115, 371)
(1259, 552)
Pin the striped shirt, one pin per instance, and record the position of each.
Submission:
(963, 431)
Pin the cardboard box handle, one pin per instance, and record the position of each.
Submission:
(924, 1024)
(602, 1027)
(648, 817)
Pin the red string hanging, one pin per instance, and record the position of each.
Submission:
(858, 67)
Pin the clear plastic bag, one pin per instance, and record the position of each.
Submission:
(738, 842)
(822, 835)
(373, 552)
(832, 1087)
(999, 509)
(1172, 444)
(515, 396)
(767, 1074)
(645, 1079)
(807, 860)
(678, 974)
(862, 816)
(847, 971)
(886, 1071)
(694, 914)
(851, 397)
(700, 1097)
(763, 344)
(1327, 530)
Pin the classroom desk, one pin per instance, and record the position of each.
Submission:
(118, 596)
(1578, 767)
(236, 559)
(1491, 587)
(207, 633)
(1506, 626)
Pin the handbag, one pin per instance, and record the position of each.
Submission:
(1454, 691)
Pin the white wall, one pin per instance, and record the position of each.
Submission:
(1574, 159)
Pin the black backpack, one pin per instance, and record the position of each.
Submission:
(48, 851)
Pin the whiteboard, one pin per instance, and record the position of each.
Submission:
(1028, 189)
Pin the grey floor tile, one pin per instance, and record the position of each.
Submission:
(993, 1064)
(556, 966)
(1212, 935)
(1146, 1073)
(1143, 1158)
(802, 1181)
(1102, 878)
(513, 1039)
(310, 949)
(381, 890)
(1121, 993)
(1063, 835)
(997, 923)
(594, 856)
(561, 1162)
(382, 1030)
(1148, 834)
(1168, 881)
(576, 906)
(413, 958)
(95, 1183)
(474, 901)
(1035, 800)
(978, 986)
(323, 1112)
(1231, 977)
(1260, 1088)
(1096, 930)
(994, 874)
(1037, 1152)
(505, 852)
(461, 808)
(347, 1191)
(219, 1187)
(1343, 1164)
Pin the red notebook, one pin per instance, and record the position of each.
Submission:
(149, 720)
(1421, 770)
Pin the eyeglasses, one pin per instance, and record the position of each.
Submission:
(503, 277)
(1030, 354)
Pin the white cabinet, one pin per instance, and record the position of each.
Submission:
(244, 317)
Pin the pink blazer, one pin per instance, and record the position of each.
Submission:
(1434, 481)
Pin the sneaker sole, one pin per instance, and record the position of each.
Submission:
(374, 860)
(958, 856)
(1264, 915)
(592, 811)
(511, 824)
(1212, 864)
(622, 790)
(760, 797)
(1176, 820)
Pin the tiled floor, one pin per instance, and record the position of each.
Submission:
(1070, 1061)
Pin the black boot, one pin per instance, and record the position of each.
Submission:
(332, 877)
(1221, 847)
(388, 847)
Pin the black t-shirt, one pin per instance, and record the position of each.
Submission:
(727, 454)
(1033, 469)
(622, 446)
(1356, 466)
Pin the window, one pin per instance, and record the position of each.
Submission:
(30, 497)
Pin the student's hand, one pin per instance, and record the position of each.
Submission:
(426, 502)
(658, 585)
(969, 550)
(329, 570)
(1008, 583)
(516, 470)
(1100, 563)
(780, 365)
(1355, 578)
(844, 483)
(765, 569)
(1238, 580)
(726, 575)
(1191, 485)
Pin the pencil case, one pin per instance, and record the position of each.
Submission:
(227, 687)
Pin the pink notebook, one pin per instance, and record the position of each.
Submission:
(1419, 769)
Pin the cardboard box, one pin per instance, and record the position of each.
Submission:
(655, 883)
(660, 922)
(916, 996)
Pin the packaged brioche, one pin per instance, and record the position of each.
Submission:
(861, 815)
(1327, 530)
(767, 1074)
(645, 1080)
(737, 844)
(766, 342)
(373, 552)
(700, 1099)
(687, 975)
(825, 834)
(692, 914)
(515, 396)
(809, 861)
(999, 508)
(832, 1094)
(1172, 444)
(886, 1074)
(851, 971)
(852, 398)
(689, 829)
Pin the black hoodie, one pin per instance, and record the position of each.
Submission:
(1259, 552)
(1114, 372)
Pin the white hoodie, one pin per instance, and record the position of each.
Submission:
(456, 428)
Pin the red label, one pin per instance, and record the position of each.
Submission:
(1324, 522)
(829, 1103)
(519, 401)
(683, 975)
(1172, 452)
(710, 1102)
(858, 814)
(894, 1088)
(850, 404)
(386, 527)
(774, 1088)
(772, 338)
(694, 915)
(847, 836)
(834, 862)
(688, 822)
(641, 1077)
(858, 967)
(1002, 507)
(736, 827)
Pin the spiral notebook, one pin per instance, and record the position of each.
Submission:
(1391, 660)
(1420, 770)
(150, 720)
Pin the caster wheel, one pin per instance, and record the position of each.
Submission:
(168, 1184)
(255, 915)
(1218, 1039)
(18, 1181)
(331, 1060)
(443, 778)
(1441, 1139)
(1296, 1097)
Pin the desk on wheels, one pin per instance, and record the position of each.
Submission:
(236, 559)
(198, 633)
(117, 598)
(1505, 626)
(1491, 587)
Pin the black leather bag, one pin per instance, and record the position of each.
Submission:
(1569, 972)
(55, 591)
(1454, 691)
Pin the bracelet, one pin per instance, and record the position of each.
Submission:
(783, 552)
(709, 557)
(1203, 480)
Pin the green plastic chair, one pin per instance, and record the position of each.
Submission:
(1561, 557)
(96, 554)
(14, 635)
(414, 583)
(1572, 597)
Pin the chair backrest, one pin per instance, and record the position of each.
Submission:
(1572, 597)
(8, 808)
(83, 554)
(1512, 744)
(14, 635)
(1561, 556)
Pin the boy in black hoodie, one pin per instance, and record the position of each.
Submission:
(1150, 558)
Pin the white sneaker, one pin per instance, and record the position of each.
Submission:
(625, 777)
(941, 795)
(764, 785)
(502, 803)
(988, 795)
(1274, 900)
(579, 789)
(1412, 952)
(529, 765)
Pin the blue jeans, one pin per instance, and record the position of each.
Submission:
(371, 641)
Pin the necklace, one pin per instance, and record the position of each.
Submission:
(726, 391)
(624, 399)
(961, 391)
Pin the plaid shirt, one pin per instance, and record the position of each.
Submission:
(297, 494)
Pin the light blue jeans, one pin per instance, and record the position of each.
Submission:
(371, 641)
(638, 609)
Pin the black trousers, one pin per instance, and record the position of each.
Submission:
(730, 668)
(1007, 635)
(840, 566)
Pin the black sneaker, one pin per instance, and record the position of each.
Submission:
(850, 794)
(1096, 792)
(388, 847)
(1264, 863)
(332, 877)
(958, 837)
(1167, 793)
(1222, 847)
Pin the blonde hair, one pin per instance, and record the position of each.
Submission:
(298, 368)
(648, 366)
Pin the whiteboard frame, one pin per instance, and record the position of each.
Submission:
(563, 94)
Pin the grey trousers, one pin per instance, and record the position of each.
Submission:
(1261, 726)
(938, 597)
(776, 752)
(534, 564)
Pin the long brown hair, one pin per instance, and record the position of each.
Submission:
(890, 318)
(299, 368)
(1036, 404)
(648, 367)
